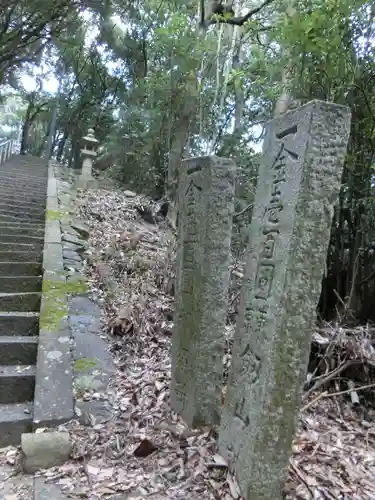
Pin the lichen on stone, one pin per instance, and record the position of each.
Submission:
(53, 214)
(84, 364)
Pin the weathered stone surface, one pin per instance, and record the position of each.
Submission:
(81, 228)
(73, 247)
(206, 203)
(299, 183)
(44, 450)
(53, 233)
(71, 255)
(92, 412)
(93, 364)
(15, 486)
(73, 264)
(47, 491)
(74, 239)
(16, 284)
(54, 379)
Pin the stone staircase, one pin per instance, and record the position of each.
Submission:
(23, 188)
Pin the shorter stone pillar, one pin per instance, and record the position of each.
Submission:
(205, 211)
(298, 185)
(89, 153)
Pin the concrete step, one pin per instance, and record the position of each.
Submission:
(10, 238)
(35, 255)
(19, 302)
(22, 191)
(20, 209)
(30, 199)
(27, 198)
(17, 350)
(17, 284)
(19, 323)
(17, 383)
(14, 219)
(15, 419)
(15, 246)
(22, 182)
(21, 230)
(28, 224)
(31, 268)
(24, 216)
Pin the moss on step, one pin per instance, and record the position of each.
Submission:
(84, 364)
(53, 214)
(54, 303)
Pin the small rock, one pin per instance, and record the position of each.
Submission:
(44, 450)
(130, 194)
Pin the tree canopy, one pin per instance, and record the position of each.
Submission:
(155, 89)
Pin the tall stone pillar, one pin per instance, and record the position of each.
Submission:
(298, 186)
(206, 205)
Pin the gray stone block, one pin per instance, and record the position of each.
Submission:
(298, 186)
(73, 264)
(73, 247)
(53, 402)
(93, 364)
(18, 302)
(52, 257)
(53, 233)
(45, 450)
(17, 383)
(206, 205)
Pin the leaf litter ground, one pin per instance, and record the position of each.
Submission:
(144, 450)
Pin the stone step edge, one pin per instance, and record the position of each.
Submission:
(15, 419)
(16, 371)
(54, 400)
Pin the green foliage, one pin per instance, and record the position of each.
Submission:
(154, 89)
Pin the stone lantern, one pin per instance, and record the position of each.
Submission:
(89, 153)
